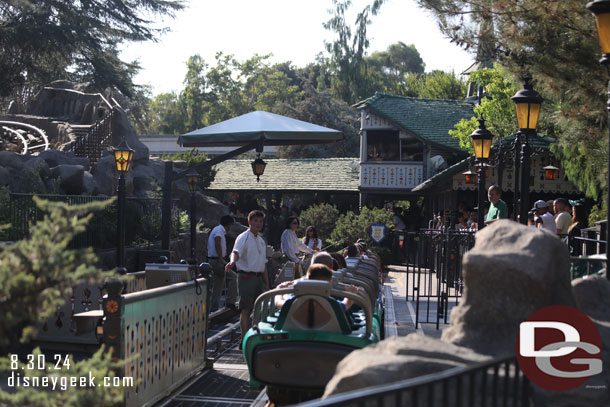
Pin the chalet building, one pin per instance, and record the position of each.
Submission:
(405, 141)
(458, 183)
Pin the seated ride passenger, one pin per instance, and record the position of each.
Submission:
(320, 272)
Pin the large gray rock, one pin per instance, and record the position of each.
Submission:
(104, 175)
(592, 295)
(10, 160)
(511, 272)
(5, 177)
(147, 176)
(398, 358)
(56, 157)
(40, 166)
(123, 129)
(70, 178)
(89, 186)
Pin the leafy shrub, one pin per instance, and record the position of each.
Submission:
(351, 227)
(36, 274)
(323, 217)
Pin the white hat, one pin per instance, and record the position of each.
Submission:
(539, 204)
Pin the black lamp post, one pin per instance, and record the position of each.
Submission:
(192, 179)
(601, 9)
(258, 167)
(527, 105)
(481, 141)
(122, 156)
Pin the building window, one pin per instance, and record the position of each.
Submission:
(386, 145)
(382, 145)
(411, 149)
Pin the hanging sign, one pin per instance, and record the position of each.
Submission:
(378, 232)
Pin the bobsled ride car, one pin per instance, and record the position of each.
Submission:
(294, 350)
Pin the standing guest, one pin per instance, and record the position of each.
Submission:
(563, 219)
(397, 218)
(217, 252)
(541, 210)
(498, 208)
(249, 256)
(311, 239)
(550, 205)
(462, 224)
(291, 245)
(579, 222)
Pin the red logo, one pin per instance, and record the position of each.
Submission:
(559, 348)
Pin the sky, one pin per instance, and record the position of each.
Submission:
(290, 30)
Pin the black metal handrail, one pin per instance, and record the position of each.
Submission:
(498, 382)
(97, 139)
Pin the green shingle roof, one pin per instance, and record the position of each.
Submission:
(304, 174)
(428, 119)
(538, 141)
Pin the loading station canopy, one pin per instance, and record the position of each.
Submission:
(273, 129)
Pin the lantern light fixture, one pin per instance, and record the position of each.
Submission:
(550, 172)
(123, 155)
(471, 176)
(527, 104)
(258, 167)
(192, 179)
(481, 141)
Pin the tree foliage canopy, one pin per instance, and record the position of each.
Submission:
(556, 42)
(45, 40)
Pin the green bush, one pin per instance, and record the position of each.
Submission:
(36, 274)
(323, 217)
(351, 227)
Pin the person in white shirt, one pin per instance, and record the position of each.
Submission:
(249, 256)
(563, 219)
(217, 252)
(541, 210)
(311, 239)
(291, 245)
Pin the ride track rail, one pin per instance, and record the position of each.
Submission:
(227, 383)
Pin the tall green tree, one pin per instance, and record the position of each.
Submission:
(394, 64)
(46, 40)
(556, 42)
(350, 81)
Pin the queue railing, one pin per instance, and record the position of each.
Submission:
(499, 382)
(433, 264)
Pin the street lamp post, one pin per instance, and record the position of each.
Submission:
(481, 141)
(122, 156)
(527, 105)
(601, 10)
(192, 179)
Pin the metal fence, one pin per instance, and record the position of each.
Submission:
(433, 262)
(499, 382)
(143, 216)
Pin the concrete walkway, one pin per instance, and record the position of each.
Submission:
(401, 314)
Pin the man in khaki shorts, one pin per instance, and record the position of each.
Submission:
(249, 256)
(217, 252)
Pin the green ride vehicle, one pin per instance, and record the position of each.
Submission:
(294, 350)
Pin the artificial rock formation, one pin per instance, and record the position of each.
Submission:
(62, 110)
(511, 272)
(398, 358)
